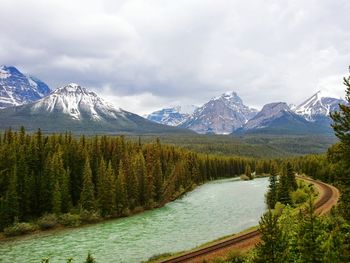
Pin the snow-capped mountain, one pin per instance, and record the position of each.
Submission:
(18, 89)
(279, 118)
(173, 116)
(77, 102)
(221, 115)
(77, 109)
(318, 106)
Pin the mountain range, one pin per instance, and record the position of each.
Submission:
(227, 114)
(27, 101)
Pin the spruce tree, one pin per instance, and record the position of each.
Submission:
(56, 199)
(341, 127)
(271, 196)
(273, 245)
(87, 196)
(120, 192)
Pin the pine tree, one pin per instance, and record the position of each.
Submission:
(284, 188)
(341, 127)
(107, 196)
(291, 177)
(90, 259)
(274, 245)
(120, 192)
(87, 196)
(271, 196)
(309, 231)
(140, 173)
(56, 199)
(158, 180)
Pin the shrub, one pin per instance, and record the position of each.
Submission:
(47, 221)
(244, 177)
(69, 219)
(138, 209)
(20, 229)
(299, 196)
(89, 217)
(279, 208)
(235, 257)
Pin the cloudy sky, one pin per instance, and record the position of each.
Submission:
(143, 55)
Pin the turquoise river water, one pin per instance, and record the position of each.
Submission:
(211, 211)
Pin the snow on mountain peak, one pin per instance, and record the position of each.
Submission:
(17, 89)
(77, 102)
(318, 105)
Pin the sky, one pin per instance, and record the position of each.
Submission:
(145, 55)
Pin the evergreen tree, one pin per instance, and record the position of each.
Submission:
(107, 196)
(87, 196)
(271, 196)
(158, 180)
(292, 182)
(90, 259)
(274, 245)
(309, 231)
(121, 194)
(56, 199)
(284, 188)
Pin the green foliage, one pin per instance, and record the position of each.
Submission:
(47, 221)
(90, 259)
(70, 220)
(271, 196)
(273, 244)
(87, 196)
(20, 229)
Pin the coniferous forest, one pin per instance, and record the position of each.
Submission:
(99, 177)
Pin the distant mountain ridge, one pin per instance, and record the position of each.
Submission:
(77, 109)
(227, 114)
(26, 100)
(172, 116)
(18, 89)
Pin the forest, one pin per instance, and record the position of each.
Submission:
(66, 179)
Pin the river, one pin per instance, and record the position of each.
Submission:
(213, 210)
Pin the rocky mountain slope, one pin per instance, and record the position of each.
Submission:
(18, 89)
(220, 115)
(77, 109)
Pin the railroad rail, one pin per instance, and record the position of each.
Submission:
(328, 198)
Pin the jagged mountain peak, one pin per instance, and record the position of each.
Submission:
(220, 115)
(319, 105)
(77, 102)
(17, 88)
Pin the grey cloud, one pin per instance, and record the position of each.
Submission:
(185, 50)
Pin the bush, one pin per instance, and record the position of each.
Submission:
(244, 177)
(89, 217)
(20, 229)
(299, 196)
(69, 219)
(138, 209)
(279, 208)
(235, 257)
(47, 221)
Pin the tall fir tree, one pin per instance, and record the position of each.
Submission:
(87, 196)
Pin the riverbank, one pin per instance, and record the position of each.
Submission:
(66, 222)
(215, 209)
(325, 197)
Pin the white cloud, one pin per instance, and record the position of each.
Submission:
(158, 52)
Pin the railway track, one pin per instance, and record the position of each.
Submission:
(327, 199)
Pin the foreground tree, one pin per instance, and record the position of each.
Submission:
(273, 245)
(341, 126)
